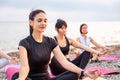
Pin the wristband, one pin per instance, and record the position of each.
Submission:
(82, 74)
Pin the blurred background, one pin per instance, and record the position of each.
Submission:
(102, 18)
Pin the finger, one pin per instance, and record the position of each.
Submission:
(103, 52)
(94, 74)
(99, 74)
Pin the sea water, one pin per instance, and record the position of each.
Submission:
(106, 33)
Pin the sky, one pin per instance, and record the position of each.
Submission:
(70, 10)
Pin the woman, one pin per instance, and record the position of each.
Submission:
(35, 51)
(86, 40)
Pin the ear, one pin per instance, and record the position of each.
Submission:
(31, 23)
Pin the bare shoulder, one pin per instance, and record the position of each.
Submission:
(91, 39)
(70, 40)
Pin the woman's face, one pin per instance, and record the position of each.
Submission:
(62, 30)
(84, 29)
(39, 23)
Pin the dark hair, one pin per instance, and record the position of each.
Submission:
(60, 23)
(81, 27)
(32, 15)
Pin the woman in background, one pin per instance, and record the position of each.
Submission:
(86, 40)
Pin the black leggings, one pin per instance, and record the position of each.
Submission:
(64, 76)
(81, 61)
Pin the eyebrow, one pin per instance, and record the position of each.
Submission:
(42, 19)
(45, 19)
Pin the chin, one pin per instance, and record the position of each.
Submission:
(42, 30)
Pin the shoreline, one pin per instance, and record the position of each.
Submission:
(117, 46)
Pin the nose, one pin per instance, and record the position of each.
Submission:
(43, 22)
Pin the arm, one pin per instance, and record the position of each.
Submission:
(9, 58)
(64, 62)
(77, 50)
(4, 55)
(79, 45)
(104, 48)
(95, 43)
(78, 39)
(24, 69)
(70, 66)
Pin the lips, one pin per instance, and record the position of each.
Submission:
(42, 27)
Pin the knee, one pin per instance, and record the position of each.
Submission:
(15, 76)
(12, 73)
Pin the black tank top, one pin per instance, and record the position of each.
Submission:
(65, 49)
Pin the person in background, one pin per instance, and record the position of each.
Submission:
(64, 43)
(35, 51)
(86, 40)
(6, 59)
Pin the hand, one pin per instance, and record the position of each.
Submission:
(13, 60)
(97, 52)
(106, 50)
(109, 49)
(100, 52)
(92, 74)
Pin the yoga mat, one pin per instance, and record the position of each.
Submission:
(13, 68)
(104, 71)
(11, 71)
(106, 58)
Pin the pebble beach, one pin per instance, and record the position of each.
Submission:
(112, 64)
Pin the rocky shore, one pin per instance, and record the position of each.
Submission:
(113, 64)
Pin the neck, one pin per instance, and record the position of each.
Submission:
(84, 35)
(60, 36)
(37, 36)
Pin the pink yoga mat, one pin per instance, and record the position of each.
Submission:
(103, 70)
(11, 71)
(106, 58)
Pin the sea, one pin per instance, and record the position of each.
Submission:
(105, 33)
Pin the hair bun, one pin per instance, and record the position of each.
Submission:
(59, 20)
